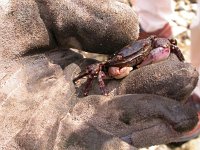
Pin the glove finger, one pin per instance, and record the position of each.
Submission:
(170, 78)
(145, 119)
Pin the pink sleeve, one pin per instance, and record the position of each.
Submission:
(154, 14)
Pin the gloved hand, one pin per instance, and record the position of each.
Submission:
(41, 108)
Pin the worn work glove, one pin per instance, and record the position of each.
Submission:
(41, 108)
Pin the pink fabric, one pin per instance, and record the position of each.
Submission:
(154, 14)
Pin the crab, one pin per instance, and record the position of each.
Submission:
(136, 55)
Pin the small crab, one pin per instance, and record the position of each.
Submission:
(135, 55)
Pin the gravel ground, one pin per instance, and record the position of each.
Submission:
(184, 15)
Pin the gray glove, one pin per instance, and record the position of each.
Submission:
(41, 108)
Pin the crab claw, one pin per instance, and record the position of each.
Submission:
(119, 73)
(156, 55)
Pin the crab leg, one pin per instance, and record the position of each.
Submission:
(177, 51)
(102, 86)
(88, 85)
(81, 75)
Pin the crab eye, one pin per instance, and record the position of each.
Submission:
(119, 57)
(144, 44)
(173, 41)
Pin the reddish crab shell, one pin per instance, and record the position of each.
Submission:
(132, 54)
